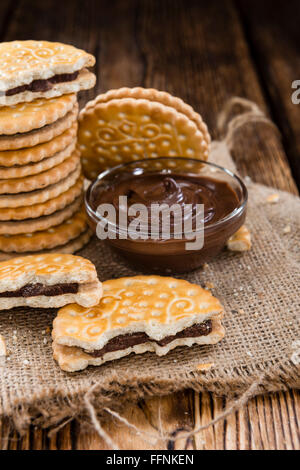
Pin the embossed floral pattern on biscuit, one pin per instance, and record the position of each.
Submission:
(126, 301)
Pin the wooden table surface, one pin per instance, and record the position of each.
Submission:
(204, 52)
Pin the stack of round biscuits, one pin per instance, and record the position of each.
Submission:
(41, 183)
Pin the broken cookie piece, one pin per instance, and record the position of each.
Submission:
(34, 69)
(240, 241)
(135, 315)
(3, 351)
(48, 281)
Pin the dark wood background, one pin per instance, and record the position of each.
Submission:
(205, 52)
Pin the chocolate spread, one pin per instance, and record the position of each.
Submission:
(218, 197)
(125, 341)
(43, 85)
(170, 255)
(32, 290)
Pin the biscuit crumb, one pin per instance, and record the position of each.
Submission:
(206, 366)
(240, 241)
(209, 285)
(287, 229)
(273, 198)
(241, 311)
(25, 362)
(3, 351)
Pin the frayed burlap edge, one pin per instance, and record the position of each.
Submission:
(115, 394)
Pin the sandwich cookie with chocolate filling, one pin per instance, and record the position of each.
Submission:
(64, 231)
(37, 153)
(44, 178)
(48, 281)
(41, 209)
(41, 135)
(69, 247)
(39, 196)
(52, 237)
(34, 69)
(29, 124)
(135, 315)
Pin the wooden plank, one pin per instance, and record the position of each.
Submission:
(154, 418)
(73, 25)
(243, 431)
(173, 415)
(6, 16)
(203, 57)
(273, 32)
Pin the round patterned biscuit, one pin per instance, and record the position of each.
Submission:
(40, 195)
(44, 208)
(50, 268)
(129, 129)
(21, 62)
(9, 158)
(158, 306)
(41, 180)
(13, 227)
(69, 248)
(46, 239)
(38, 136)
(25, 117)
(152, 94)
(19, 171)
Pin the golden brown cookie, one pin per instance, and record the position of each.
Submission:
(31, 69)
(41, 180)
(45, 239)
(153, 95)
(24, 117)
(30, 169)
(16, 227)
(135, 315)
(38, 136)
(37, 153)
(123, 130)
(48, 280)
(40, 195)
(45, 208)
(70, 247)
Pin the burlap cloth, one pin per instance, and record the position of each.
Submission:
(261, 346)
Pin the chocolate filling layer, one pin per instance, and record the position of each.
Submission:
(125, 341)
(32, 290)
(43, 85)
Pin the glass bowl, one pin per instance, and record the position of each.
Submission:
(168, 255)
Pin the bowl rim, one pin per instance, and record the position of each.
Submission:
(210, 227)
